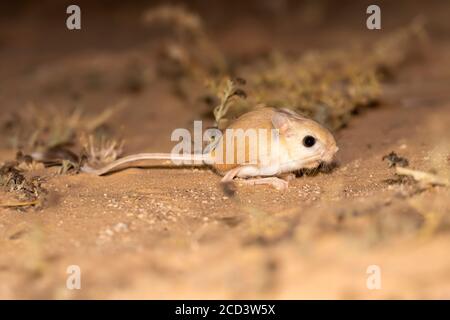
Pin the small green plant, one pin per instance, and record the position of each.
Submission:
(56, 136)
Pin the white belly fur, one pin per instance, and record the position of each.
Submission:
(275, 164)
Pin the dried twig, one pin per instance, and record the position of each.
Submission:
(424, 177)
(19, 204)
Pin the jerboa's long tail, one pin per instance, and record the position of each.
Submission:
(199, 159)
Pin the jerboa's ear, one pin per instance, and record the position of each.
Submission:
(281, 122)
(292, 113)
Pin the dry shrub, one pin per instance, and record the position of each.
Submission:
(328, 86)
(34, 129)
(188, 51)
(100, 150)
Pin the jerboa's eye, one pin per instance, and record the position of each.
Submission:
(309, 141)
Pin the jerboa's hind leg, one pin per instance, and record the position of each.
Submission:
(275, 182)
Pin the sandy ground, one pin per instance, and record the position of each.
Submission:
(172, 233)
